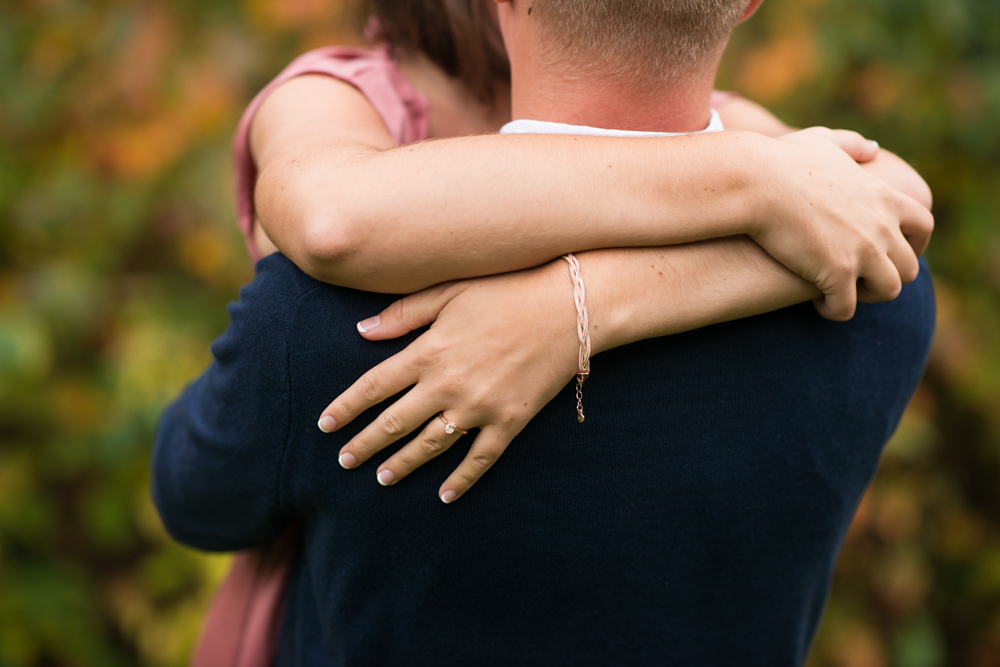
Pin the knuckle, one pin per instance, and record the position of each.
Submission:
(391, 425)
(405, 464)
(398, 310)
(431, 445)
(483, 461)
(842, 270)
(370, 388)
(468, 479)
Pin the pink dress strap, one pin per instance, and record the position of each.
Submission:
(403, 109)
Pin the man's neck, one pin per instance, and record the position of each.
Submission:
(596, 101)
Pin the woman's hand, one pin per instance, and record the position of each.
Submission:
(500, 348)
(864, 246)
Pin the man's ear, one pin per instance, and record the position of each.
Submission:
(751, 8)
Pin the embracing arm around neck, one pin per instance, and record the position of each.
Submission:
(347, 206)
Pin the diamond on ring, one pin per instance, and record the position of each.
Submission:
(450, 426)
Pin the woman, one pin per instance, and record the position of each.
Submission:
(316, 140)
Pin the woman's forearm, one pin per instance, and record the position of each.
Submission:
(349, 208)
(639, 293)
(402, 219)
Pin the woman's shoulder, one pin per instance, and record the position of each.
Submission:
(373, 71)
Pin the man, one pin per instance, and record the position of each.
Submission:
(695, 521)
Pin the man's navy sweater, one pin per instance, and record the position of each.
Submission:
(694, 518)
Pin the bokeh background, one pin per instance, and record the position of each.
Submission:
(119, 251)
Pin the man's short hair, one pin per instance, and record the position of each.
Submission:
(653, 40)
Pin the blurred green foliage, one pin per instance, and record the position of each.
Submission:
(119, 250)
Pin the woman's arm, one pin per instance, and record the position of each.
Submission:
(502, 347)
(349, 208)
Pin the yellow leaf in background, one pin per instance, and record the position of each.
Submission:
(78, 407)
(960, 535)
(957, 350)
(898, 515)
(770, 72)
(862, 517)
(878, 88)
(54, 48)
(142, 151)
(966, 94)
(903, 581)
(856, 645)
(285, 14)
(139, 69)
(204, 253)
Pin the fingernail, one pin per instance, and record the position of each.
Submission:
(369, 325)
(327, 424)
(874, 144)
(347, 460)
(385, 477)
(448, 496)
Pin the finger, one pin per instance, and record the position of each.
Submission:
(904, 259)
(431, 442)
(398, 420)
(486, 449)
(916, 223)
(387, 379)
(881, 278)
(838, 304)
(409, 313)
(854, 144)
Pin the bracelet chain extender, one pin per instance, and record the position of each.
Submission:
(582, 331)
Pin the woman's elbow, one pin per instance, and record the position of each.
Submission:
(326, 246)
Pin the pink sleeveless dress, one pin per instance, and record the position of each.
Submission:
(244, 620)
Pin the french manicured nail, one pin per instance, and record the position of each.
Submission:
(327, 424)
(385, 477)
(369, 325)
(448, 496)
(347, 460)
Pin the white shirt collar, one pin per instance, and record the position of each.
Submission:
(525, 126)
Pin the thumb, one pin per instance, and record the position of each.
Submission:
(855, 145)
(406, 314)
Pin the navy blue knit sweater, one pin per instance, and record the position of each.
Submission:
(693, 519)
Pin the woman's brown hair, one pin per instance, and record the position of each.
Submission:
(460, 36)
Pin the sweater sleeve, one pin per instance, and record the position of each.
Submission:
(220, 446)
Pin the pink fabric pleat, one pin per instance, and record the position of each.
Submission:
(244, 620)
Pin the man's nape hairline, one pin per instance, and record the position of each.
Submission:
(648, 40)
